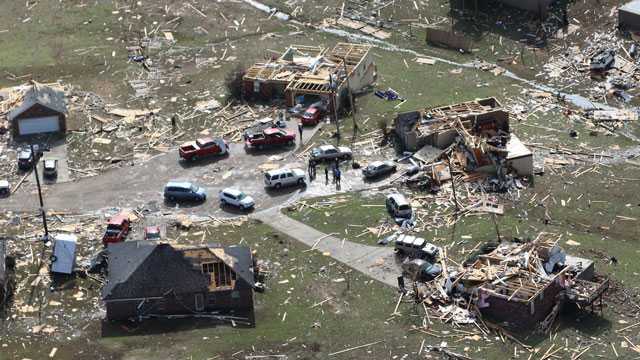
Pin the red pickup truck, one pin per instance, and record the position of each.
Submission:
(271, 137)
(312, 116)
(204, 147)
(117, 229)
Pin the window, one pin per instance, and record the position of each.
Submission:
(289, 175)
(283, 176)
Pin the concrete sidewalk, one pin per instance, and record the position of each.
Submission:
(378, 263)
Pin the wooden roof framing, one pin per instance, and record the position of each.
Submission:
(310, 86)
(302, 81)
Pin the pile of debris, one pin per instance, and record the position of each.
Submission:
(520, 285)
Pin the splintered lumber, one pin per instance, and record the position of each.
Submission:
(355, 348)
(319, 239)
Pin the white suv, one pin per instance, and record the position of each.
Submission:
(236, 198)
(283, 177)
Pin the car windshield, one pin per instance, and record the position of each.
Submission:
(404, 207)
(113, 229)
(241, 196)
(194, 188)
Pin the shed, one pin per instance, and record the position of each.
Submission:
(63, 259)
(43, 110)
(629, 16)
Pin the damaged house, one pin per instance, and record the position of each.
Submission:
(42, 109)
(530, 282)
(309, 74)
(150, 279)
(522, 285)
(479, 129)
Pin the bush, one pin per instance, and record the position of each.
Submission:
(233, 83)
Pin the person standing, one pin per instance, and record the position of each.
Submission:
(300, 128)
(326, 174)
(338, 175)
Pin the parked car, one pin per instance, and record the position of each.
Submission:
(312, 116)
(379, 168)
(204, 147)
(50, 167)
(271, 137)
(152, 233)
(420, 270)
(5, 189)
(26, 159)
(415, 247)
(237, 198)
(184, 191)
(330, 152)
(398, 206)
(283, 177)
(118, 228)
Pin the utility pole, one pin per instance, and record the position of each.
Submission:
(353, 104)
(334, 105)
(36, 159)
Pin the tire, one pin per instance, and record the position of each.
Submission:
(53, 258)
(194, 158)
(223, 202)
(300, 181)
(278, 186)
(172, 198)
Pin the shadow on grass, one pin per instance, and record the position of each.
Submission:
(161, 326)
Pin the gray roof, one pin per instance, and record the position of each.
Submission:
(44, 95)
(632, 7)
(147, 269)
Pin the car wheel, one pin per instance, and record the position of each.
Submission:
(194, 158)
(223, 202)
(300, 181)
(278, 185)
(172, 198)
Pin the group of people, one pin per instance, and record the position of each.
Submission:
(335, 170)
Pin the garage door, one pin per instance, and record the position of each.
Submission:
(38, 125)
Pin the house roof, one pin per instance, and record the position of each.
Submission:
(632, 7)
(47, 96)
(139, 269)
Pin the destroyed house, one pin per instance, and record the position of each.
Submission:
(477, 123)
(525, 285)
(310, 74)
(42, 109)
(149, 279)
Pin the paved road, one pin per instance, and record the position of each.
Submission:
(141, 185)
(377, 262)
